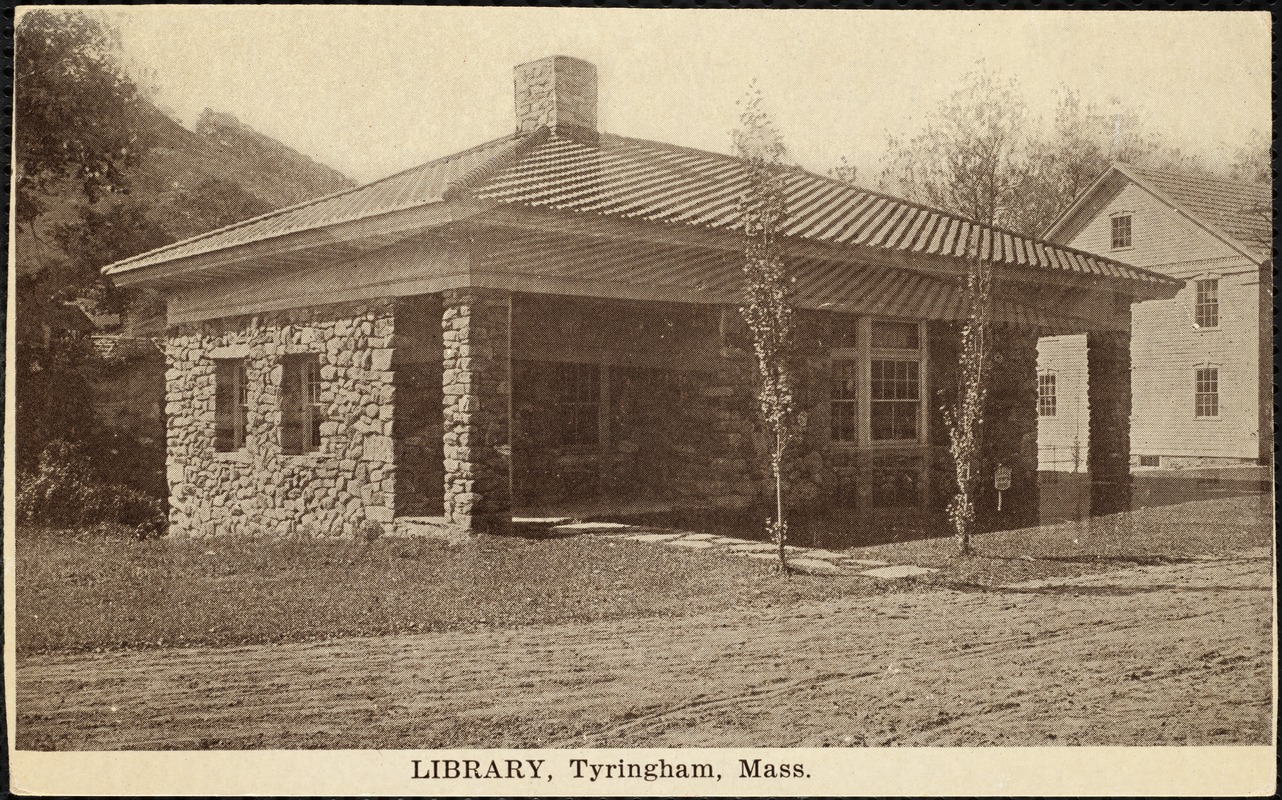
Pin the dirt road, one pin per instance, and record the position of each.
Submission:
(1173, 654)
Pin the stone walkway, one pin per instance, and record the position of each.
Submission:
(808, 560)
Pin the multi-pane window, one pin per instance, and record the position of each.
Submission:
(844, 400)
(1121, 231)
(1206, 307)
(1206, 392)
(300, 406)
(895, 400)
(894, 407)
(231, 404)
(895, 335)
(578, 388)
(1046, 394)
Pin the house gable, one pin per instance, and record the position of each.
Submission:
(1162, 239)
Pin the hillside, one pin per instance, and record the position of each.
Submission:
(190, 181)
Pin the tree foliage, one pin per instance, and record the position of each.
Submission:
(768, 304)
(983, 154)
(964, 421)
(74, 105)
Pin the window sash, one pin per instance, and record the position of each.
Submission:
(579, 404)
(1206, 392)
(895, 399)
(1121, 230)
(300, 411)
(1046, 395)
(231, 404)
(843, 401)
(1206, 305)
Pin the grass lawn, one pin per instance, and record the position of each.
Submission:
(88, 590)
(84, 590)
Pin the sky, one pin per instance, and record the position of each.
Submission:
(373, 90)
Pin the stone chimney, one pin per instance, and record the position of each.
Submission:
(558, 92)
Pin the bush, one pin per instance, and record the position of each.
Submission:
(63, 492)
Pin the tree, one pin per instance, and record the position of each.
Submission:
(1253, 162)
(982, 154)
(768, 309)
(972, 157)
(74, 105)
(965, 421)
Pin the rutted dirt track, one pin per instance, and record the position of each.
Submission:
(1173, 654)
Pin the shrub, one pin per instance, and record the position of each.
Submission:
(63, 492)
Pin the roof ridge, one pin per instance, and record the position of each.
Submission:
(520, 147)
(305, 203)
(1195, 175)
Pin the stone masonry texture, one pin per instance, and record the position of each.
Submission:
(557, 92)
(1108, 369)
(476, 381)
(345, 487)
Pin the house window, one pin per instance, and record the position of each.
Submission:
(1150, 461)
(896, 398)
(231, 404)
(1046, 394)
(300, 410)
(1121, 231)
(1206, 392)
(1206, 307)
(578, 388)
(894, 406)
(844, 400)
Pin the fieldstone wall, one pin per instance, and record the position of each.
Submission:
(1108, 394)
(1010, 429)
(345, 487)
(477, 384)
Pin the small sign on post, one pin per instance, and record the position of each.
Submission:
(1001, 482)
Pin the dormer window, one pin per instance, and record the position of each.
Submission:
(1121, 231)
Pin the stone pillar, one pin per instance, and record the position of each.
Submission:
(1010, 430)
(476, 384)
(1108, 394)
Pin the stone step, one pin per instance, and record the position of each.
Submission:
(427, 528)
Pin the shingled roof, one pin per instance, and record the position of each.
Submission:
(654, 182)
(1239, 213)
(1242, 211)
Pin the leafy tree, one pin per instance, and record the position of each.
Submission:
(768, 308)
(972, 156)
(1253, 162)
(964, 422)
(984, 156)
(74, 105)
(844, 171)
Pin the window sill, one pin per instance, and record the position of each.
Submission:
(1201, 329)
(898, 444)
(237, 456)
(309, 456)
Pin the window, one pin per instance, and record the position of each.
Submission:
(1150, 461)
(231, 403)
(1206, 392)
(844, 400)
(578, 389)
(894, 407)
(300, 411)
(894, 335)
(1121, 231)
(1206, 307)
(896, 397)
(1046, 394)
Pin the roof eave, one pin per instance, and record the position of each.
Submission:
(382, 227)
